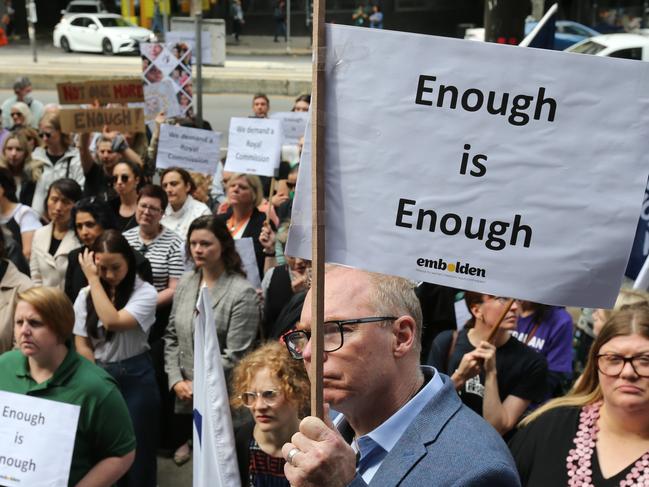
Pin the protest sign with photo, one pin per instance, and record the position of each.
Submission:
(168, 63)
(293, 125)
(254, 146)
(189, 37)
(29, 427)
(84, 120)
(192, 149)
(526, 185)
(103, 91)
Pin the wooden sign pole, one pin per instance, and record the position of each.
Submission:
(318, 207)
(270, 197)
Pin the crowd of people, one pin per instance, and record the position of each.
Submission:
(102, 261)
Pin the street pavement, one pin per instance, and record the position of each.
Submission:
(256, 64)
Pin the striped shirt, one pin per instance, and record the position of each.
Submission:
(165, 254)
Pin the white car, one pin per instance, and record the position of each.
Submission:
(107, 33)
(625, 46)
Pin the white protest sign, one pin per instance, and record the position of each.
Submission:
(36, 440)
(254, 146)
(498, 169)
(246, 251)
(192, 149)
(293, 125)
(189, 37)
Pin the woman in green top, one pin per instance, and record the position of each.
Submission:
(44, 366)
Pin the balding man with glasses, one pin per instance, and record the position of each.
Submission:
(400, 424)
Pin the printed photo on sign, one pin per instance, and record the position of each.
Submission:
(254, 146)
(457, 175)
(37, 440)
(189, 38)
(169, 62)
(193, 149)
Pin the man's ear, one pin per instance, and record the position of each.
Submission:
(404, 330)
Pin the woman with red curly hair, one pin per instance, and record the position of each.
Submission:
(275, 388)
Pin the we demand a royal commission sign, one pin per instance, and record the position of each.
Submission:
(506, 170)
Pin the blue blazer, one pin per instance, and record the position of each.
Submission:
(446, 444)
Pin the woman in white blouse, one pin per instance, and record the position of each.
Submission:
(20, 220)
(113, 316)
(182, 209)
(53, 242)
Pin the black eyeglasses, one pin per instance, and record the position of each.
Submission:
(269, 397)
(334, 335)
(17, 114)
(45, 134)
(122, 177)
(150, 209)
(612, 364)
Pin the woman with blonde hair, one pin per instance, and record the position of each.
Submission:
(275, 389)
(16, 156)
(597, 435)
(21, 116)
(61, 159)
(243, 218)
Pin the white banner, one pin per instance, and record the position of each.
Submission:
(505, 170)
(254, 146)
(192, 149)
(246, 250)
(293, 125)
(215, 456)
(36, 440)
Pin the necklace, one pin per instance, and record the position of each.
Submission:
(236, 226)
(578, 462)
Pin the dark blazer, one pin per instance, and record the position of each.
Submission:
(253, 229)
(75, 279)
(446, 445)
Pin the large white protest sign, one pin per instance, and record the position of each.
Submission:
(192, 149)
(36, 440)
(246, 250)
(254, 146)
(499, 169)
(293, 125)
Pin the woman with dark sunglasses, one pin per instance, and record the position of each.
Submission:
(61, 159)
(126, 182)
(275, 389)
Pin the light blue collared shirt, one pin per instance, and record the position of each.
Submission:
(375, 445)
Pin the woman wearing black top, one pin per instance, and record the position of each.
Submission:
(597, 435)
(126, 182)
(90, 217)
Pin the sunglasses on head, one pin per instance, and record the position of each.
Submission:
(122, 177)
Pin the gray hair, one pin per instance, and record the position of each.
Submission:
(22, 83)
